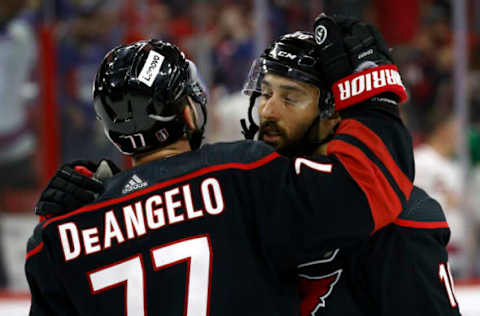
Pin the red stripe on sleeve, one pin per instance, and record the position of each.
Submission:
(34, 251)
(376, 145)
(385, 205)
(416, 224)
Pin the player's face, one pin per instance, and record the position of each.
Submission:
(286, 108)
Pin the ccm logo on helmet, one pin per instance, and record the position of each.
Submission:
(287, 55)
(151, 68)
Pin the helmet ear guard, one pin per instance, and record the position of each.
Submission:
(197, 99)
(140, 92)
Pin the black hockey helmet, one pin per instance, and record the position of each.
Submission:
(140, 92)
(291, 56)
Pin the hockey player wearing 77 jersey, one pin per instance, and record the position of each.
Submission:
(338, 287)
(403, 268)
(209, 231)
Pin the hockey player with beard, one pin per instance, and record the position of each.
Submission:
(210, 230)
(318, 94)
(367, 138)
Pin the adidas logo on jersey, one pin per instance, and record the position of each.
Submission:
(134, 184)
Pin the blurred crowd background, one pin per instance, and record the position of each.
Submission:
(50, 50)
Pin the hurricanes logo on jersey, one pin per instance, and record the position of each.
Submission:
(316, 283)
(315, 289)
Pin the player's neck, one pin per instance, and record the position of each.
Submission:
(174, 149)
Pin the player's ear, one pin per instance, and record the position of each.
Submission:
(335, 118)
(332, 121)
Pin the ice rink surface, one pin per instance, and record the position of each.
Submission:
(468, 296)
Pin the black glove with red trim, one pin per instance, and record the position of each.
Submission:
(73, 186)
(355, 60)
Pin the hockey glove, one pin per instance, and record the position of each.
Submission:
(355, 60)
(73, 186)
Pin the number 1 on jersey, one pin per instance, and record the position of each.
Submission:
(196, 251)
(446, 277)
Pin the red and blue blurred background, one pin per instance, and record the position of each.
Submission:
(50, 50)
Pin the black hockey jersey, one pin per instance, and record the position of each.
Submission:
(396, 271)
(221, 230)
(217, 231)
(402, 270)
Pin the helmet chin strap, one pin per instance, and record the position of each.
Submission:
(305, 146)
(250, 131)
(312, 145)
(195, 136)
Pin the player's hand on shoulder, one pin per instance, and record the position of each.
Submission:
(74, 185)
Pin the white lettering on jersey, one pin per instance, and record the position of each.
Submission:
(187, 199)
(134, 220)
(211, 188)
(112, 230)
(70, 240)
(173, 206)
(322, 167)
(155, 217)
(91, 242)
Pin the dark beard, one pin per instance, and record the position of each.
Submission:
(270, 127)
(301, 147)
